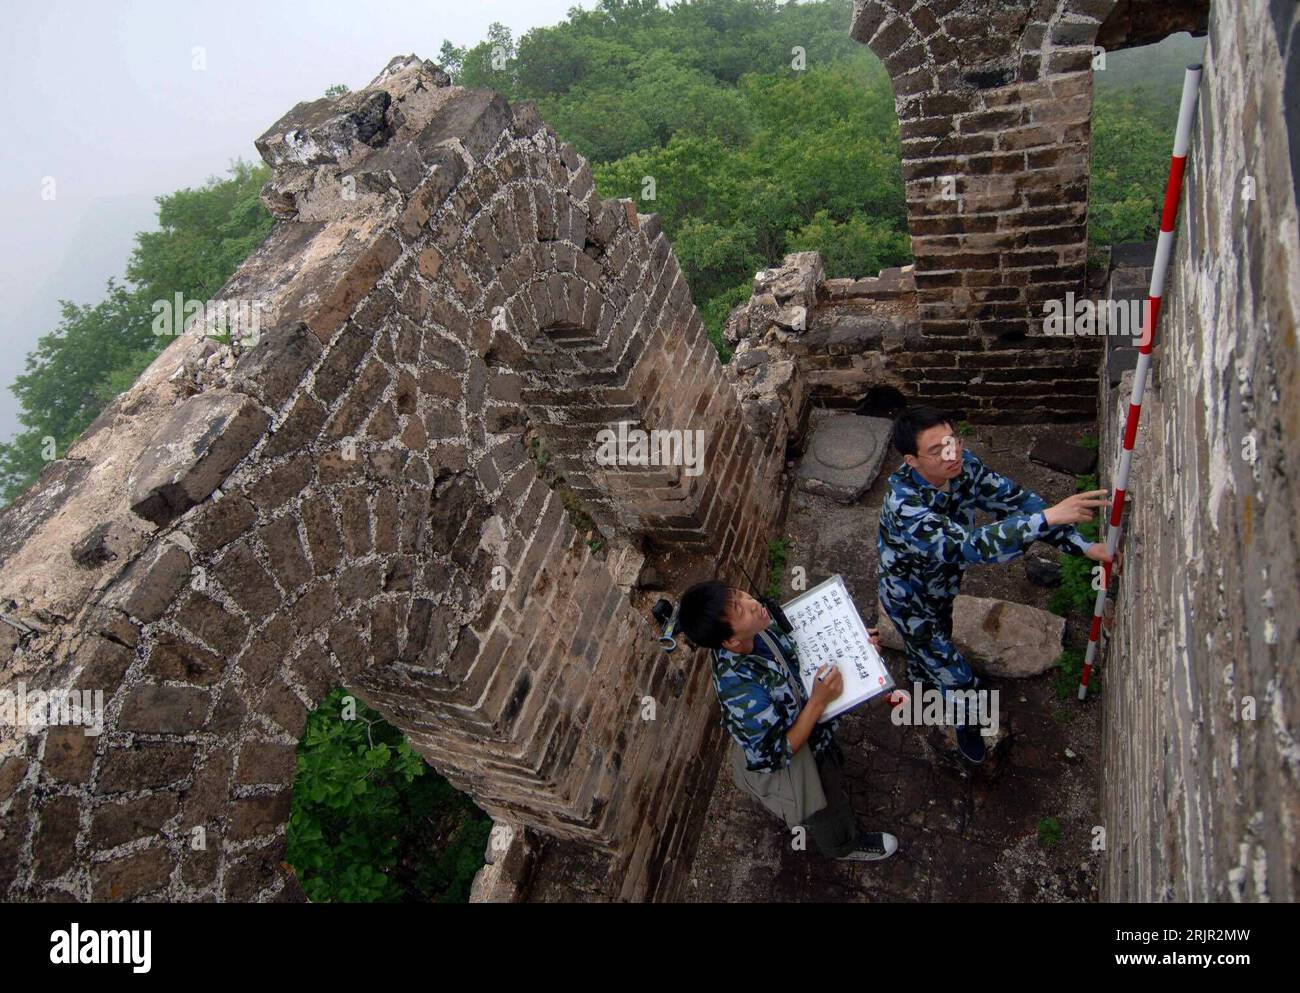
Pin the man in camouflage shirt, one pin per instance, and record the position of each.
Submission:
(774, 721)
(761, 700)
(928, 538)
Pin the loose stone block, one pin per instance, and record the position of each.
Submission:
(192, 452)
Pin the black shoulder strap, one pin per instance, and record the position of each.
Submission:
(777, 653)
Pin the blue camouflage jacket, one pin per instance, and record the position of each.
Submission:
(760, 700)
(927, 537)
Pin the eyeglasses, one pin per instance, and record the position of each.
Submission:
(950, 446)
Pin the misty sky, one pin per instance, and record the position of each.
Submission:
(101, 95)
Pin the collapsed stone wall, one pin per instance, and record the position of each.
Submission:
(345, 498)
(1201, 766)
(841, 334)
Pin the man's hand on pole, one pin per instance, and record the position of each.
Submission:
(1097, 552)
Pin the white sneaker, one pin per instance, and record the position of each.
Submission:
(872, 847)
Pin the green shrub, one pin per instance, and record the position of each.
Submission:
(1049, 831)
(1069, 667)
(371, 822)
(715, 311)
(1075, 592)
(778, 550)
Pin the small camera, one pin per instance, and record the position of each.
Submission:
(663, 612)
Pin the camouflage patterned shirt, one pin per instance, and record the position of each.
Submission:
(761, 699)
(928, 537)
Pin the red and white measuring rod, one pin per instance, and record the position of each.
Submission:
(1151, 313)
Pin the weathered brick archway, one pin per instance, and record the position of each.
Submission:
(349, 501)
(994, 100)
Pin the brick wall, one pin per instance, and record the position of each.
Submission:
(851, 339)
(1201, 768)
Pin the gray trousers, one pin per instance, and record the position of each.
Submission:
(808, 792)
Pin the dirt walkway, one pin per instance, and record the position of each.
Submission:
(985, 834)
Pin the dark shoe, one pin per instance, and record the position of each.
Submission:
(970, 743)
(872, 846)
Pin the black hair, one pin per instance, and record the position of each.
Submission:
(700, 614)
(912, 422)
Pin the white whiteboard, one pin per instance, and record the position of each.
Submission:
(827, 629)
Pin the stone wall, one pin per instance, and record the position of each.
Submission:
(1201, 766)
(346, 499)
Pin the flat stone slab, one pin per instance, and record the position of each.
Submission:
(1075, 460)
(844, 330)
(844, 456)
(998, 637)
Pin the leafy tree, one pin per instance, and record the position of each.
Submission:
(551, 60)
(489, 65)
(714, 312)
(1135, 111)
(1130, 159)
(854, 247)
(821, 159)
(204, 234)
(66, 384)
(371, 822)
(450, 58)
(713, 257)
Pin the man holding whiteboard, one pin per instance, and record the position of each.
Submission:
(928, 538)
(781, 755)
